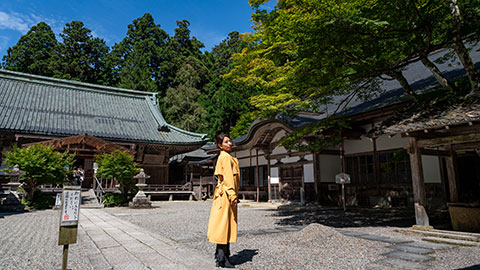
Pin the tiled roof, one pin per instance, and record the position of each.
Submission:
(435, 117)
(32, 104)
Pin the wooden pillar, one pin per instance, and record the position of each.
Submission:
(257, 180)
(269, 191)
(418, 185)
(315, 174)
(452, 174)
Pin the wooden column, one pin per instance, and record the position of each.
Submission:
(257, 180)
(418, 185)
(452, 174)
(315, 174)
(269, 191)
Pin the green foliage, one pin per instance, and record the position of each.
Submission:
(242, 125)
(33, 52)
(114, 199)
(41, 165)
(40, 201)
(181, 106)
(139, 59)
(81, 56)
(120, 166)
(317, 136)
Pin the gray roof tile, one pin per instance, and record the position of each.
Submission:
(39, 105)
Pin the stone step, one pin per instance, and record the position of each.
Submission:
(419, 258)
(458, 232)
(410, 249)
(429, 245)
(448, 241)
(89, 200)
(447, 234)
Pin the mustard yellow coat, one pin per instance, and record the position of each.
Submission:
(222, 225)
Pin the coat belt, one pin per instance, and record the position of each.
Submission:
(220, 189)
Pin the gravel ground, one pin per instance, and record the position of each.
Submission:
(29, 241)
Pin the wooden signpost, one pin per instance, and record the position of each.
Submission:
(70, 212)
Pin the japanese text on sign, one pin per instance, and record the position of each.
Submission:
(70, 207)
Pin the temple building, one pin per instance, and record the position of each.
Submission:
(88, 119)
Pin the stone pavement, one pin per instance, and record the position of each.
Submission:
(112, 243)
(405, 254)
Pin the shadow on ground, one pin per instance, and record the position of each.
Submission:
(473, 267)
(357, 217)
(243, 256)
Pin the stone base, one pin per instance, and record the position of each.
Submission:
(11, 204)
(140, 201)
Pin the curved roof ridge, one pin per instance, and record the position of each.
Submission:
(71, 84)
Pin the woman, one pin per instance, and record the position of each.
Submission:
(222, 226)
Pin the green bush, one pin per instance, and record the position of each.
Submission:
(41, 165)
(41, 201)
(114, 199)
(120, 166)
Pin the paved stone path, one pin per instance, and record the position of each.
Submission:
(112, 243)
(406, 254)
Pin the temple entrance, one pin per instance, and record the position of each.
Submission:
(291, 180)
(468, 166)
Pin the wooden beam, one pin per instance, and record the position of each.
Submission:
(452, 175)
(449, 140)
(433, 152)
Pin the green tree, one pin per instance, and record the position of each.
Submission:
(81, 56)
(41, 165)
(33, 52)
(308, 52)
(181, 102)
(224, 100)
(139, 58)
(120, 166)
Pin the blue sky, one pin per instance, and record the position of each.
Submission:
(210, 20)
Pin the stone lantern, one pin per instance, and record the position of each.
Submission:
(12, 202)
(141, 200)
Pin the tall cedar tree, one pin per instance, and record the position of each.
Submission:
(224, 100)
(80, 56)
(181, 102)
(33, 52)
(139, 60)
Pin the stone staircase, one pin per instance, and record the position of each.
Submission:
(89, 200)
(448, 237)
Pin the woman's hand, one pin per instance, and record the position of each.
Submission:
(234, 202)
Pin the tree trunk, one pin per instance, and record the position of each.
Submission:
(442, 80)
(461, 50)
(397, 75)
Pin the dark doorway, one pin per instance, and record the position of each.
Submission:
(468, 168)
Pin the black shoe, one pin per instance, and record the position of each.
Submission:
(227, 264)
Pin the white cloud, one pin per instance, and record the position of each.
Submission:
(22, 22)
(13, 22)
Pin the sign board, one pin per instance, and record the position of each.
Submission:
(70, 206)
(58, 200)
(342, 178)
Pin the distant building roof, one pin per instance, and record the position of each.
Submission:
(464, 112)
(31, 104)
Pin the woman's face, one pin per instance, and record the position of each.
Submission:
(226, 144)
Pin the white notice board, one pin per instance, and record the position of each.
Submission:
(70, 206)
(58, 200)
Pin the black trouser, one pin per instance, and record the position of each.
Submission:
(222, 250)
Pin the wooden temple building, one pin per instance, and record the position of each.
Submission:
(87, 119)
(428, 157)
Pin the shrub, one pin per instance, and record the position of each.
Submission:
(113, 199)
(41, 165)
(120, 166)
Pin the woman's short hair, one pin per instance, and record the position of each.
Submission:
(219, 139)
